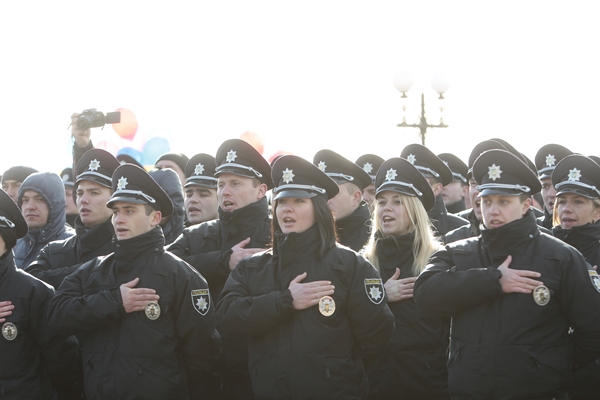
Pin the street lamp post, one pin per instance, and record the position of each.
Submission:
(403, 82)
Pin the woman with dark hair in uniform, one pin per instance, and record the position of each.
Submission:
(315, 311)
(576, 212)
(402, 241)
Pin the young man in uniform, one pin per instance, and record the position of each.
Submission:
(200, 189)
(370, 163)
(456, 193)
(514, 295)
(148, 323)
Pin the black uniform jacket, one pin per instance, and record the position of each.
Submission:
(354, 230)
(545, 220)
(59, 259)
(207, 246)
(37, 358)
(306, 354)
(130, 355)
(414, 363)
(586, 239)
(506, 346)
(465, 231)
(442, 221)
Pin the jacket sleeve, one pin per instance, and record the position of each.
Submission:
(45, 268)
(199, 339)
(72, 311)
(370, 317)
(580, 298)
(241, 313)
(443, 289)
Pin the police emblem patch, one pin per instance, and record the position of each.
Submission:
(374, 289)
(152, 310)
(327, 306)
(201, 300)
(541, 295)
(9, 331)
(595, 279)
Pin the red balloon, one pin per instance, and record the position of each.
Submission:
(128, 125)
(255, 140)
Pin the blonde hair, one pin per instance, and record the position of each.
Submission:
(425, 243)
(556, 218)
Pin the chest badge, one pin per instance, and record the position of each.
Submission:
(541, 295)
(9, 331)
(327, 306)
(375, 291)
(152, 310)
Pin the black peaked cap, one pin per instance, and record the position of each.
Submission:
(236, 156)
(127, 159)
(457, 166)
(501, 172)
(479, 149)
(511, 149)
(295, 177)
(200, 171)
(370, 163)
(547, 157)
(340, 169)
(96, 165)
(67, 176)
(11, 217)
(430, 165)
(577, 174)
(399, 175)
(132, 184)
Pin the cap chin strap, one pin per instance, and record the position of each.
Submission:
(577, 183)
(524, 189)
(545, 169)
(338, 175)
(400, 183)
(255, 172)
(432, 172)
(302, 187)
(7, 222)
(137, 193)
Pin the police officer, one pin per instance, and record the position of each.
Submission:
(351, 213)
(67, 177)
(35, 359)
(370, 163)
(315, 310)
(576, 179)
(94, 230)
(438, 175)
(146, 315)
(215, 247)
(168, 180)
(201, 189)
(546, 159)
(513, 294)
(456, 192)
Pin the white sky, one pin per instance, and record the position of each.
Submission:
(304, 75)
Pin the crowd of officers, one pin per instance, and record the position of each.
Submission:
(229, 277)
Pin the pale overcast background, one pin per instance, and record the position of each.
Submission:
(303, 75)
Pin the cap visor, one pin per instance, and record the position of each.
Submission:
(294, 194)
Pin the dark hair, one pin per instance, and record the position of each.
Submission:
(10, 238)
(324, 223)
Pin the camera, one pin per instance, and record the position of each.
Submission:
(92, 118)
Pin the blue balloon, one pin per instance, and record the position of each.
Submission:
(154, 148)
(131, 152)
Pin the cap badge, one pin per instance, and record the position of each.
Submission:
(541, 295)
(368, 167)
(322, 166)
(122, 183)
(9, 331)
(326, 306)
(94, 165)
(411, 158)
(494, 172)
(152, 310)
(574, 174)
(288, 175)
(65, 178)
(231, 156)
(199, 169)
(550, 160)
(391, 174)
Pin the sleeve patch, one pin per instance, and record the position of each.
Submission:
(375, 290)
(201, 300)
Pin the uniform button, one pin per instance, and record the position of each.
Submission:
(530, 236)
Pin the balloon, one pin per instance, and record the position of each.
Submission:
(108, 146)
(128, 125)
(154, 148)
(255, 140)
(133, 153)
